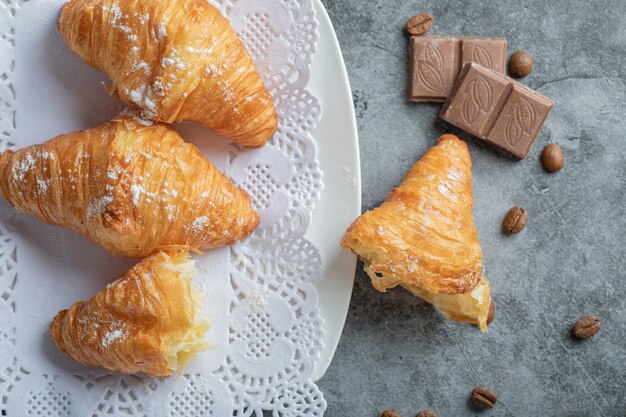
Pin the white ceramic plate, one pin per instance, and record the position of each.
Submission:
(338, 144)
(335, 135)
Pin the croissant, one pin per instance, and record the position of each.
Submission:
(177, 60)
(148, 320)
(423, 236)
(130, 188)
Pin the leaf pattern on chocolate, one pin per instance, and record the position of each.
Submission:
(513, 132)
(482, 57)
(479, 97)
(470, 109)
(525, 114)
(482, 93)
(434, 57)
(522, 118)
(430, 70)
(430, 77)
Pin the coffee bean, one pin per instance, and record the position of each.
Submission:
(483, 397)
(419, 24)
(520, 64)
(587, 326)
(492, 312)
(390, 413)
(552, 158)
(515, 220)
(426, 413)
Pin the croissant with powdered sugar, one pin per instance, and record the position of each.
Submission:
(423, 236)
(176, 60)
(130, 188)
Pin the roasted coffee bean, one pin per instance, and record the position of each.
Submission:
(492, 312)
(483, 397)
(515, 220)
(419, 24)
(426, 413)
(552, 158)
(520, 64)
(390, 413)
(587, 326)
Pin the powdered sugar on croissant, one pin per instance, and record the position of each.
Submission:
(149, 320)
(130, 188)
(176, 60)
(423, 236)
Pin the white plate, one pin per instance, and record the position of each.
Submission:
(338, 144)
(336, 137)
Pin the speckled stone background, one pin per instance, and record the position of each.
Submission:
(396, 351)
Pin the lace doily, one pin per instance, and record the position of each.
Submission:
(260, 296)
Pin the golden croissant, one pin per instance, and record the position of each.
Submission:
(130, 188)
(423, 236)
(149, 320)
(177, 60)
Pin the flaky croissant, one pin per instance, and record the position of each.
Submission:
(176, 60)
(423, 236)
(130, 188)
(149, 320)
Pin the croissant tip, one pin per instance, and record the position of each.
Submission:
(254, 222)
(455, 142)
(256, 145)
(448, 136)
(54, 327)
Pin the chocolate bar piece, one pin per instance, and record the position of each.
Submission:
(497, 109)
(436, 62)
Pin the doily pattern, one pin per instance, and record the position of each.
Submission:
(260, 295)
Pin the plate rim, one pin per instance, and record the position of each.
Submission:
(336, 280)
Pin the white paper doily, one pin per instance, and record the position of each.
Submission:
(260, 296)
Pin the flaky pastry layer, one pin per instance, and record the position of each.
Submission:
(471, 307)
(176, 60)
(149, 320)
(423, 234)
(130, 188)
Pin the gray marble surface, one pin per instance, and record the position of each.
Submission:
(396, 351)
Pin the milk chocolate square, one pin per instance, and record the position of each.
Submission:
(496, 109)
(488, 53)
(436, 62)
